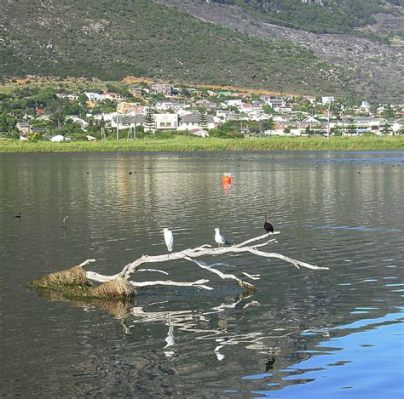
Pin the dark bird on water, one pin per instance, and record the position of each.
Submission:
(268, 226)
(18, 216)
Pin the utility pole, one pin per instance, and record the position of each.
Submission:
(328, 125)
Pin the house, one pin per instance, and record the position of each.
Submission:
(206, 104)
(310, 122)
(124, 108)
(23, 127)
(283, 109)
(78, 121)
(125, 121)
(136, 91)
(98, 97)
(327, 100)
(225, 115)
(398, 126)
(166, 121)
(161, 88)
(168, 105)
(193, 121)
(274, 102)
(68, 96)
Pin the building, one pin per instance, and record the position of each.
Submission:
(124, 108)
(193, 121)
(161, 88)
(23, 127)
(166, 121)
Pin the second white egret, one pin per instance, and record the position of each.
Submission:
(168, 239)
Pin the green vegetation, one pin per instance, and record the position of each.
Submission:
(111, 40)
(325, 16)
(184, 143)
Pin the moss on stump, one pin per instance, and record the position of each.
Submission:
(73, 284)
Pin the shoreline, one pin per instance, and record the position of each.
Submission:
(191, 144)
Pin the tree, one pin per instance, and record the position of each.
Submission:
(149, 121)
(386, 128)
(203, 120)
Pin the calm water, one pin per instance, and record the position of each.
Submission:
(303, 334)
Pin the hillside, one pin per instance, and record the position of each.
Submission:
(322, 16)
(110, 40)
(375, 67)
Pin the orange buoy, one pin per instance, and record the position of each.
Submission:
(227, 179)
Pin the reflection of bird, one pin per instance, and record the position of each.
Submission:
(18, 216)
(168, 239)
(268, 226)
(270, 363)
(64, 225)
(220, 240)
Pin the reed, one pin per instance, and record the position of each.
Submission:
(191, 144)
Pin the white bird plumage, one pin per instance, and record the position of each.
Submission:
(220, 240)
(168, 239)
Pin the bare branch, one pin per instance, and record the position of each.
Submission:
(197, 284)
(190, 254)
(222, 275)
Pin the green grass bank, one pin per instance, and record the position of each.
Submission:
(210, 144)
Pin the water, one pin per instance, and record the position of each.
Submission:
(302, 334)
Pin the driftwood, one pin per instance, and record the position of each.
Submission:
(191, 254)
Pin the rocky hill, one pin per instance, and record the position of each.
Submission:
(371, 51)
(225, 42)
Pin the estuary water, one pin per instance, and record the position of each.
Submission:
(302, 334)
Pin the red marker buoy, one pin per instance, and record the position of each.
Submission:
(227, 179)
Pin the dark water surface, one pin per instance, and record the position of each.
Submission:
(303, 334)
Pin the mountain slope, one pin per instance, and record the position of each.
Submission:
(322, 16)
(138, 37)
(374, 69)
(110, 40)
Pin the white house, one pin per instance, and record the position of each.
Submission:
(166, 121)
(327, 100)
(193, 121)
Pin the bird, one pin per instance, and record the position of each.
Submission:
(270, 363)
(220, 240)
(18, 216)
(268, 226)
(168, 239)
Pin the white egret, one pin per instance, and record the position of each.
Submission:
(220, 240)
(168, 239)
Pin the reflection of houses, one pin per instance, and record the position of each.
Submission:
(193, 121)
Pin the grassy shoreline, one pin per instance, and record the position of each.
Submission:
(182, 144)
